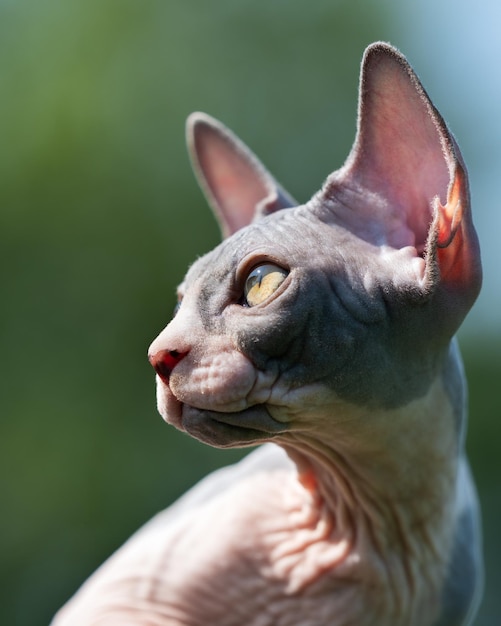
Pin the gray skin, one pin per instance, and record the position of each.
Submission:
(365, 512)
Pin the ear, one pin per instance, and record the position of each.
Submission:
(407, 175)
(236, 184)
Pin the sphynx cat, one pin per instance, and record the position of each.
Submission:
(325, 330)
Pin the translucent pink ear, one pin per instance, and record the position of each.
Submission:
(236, 184)
(405, 176)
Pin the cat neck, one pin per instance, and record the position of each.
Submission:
(388, 480)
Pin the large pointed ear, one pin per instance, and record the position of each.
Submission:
(408, 175)
(236, 184)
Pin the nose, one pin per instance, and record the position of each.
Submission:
(164, 361)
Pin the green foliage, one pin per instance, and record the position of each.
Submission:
(100, 216)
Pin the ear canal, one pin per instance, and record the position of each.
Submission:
(236, 184)
(453, 244)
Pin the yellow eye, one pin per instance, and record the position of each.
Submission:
(262, 282)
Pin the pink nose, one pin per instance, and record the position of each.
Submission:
(165, 361)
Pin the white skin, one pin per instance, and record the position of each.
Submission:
(365, 512)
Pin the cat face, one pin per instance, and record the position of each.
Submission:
(255, 363)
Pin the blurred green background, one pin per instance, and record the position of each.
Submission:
(100, 216)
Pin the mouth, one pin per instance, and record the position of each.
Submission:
(228, 430)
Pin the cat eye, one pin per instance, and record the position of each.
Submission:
(176, 308)
(178, 304)
(262, 282)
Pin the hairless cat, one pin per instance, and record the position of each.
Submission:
(328, 329)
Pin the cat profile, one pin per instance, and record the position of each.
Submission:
(324, 331)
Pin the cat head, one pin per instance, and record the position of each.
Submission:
(349, 300)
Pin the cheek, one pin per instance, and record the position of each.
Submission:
(217, 380)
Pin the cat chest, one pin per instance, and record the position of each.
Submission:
(274, 554)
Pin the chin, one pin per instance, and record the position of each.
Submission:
(232, 429)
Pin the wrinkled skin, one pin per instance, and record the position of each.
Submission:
(365, 512)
